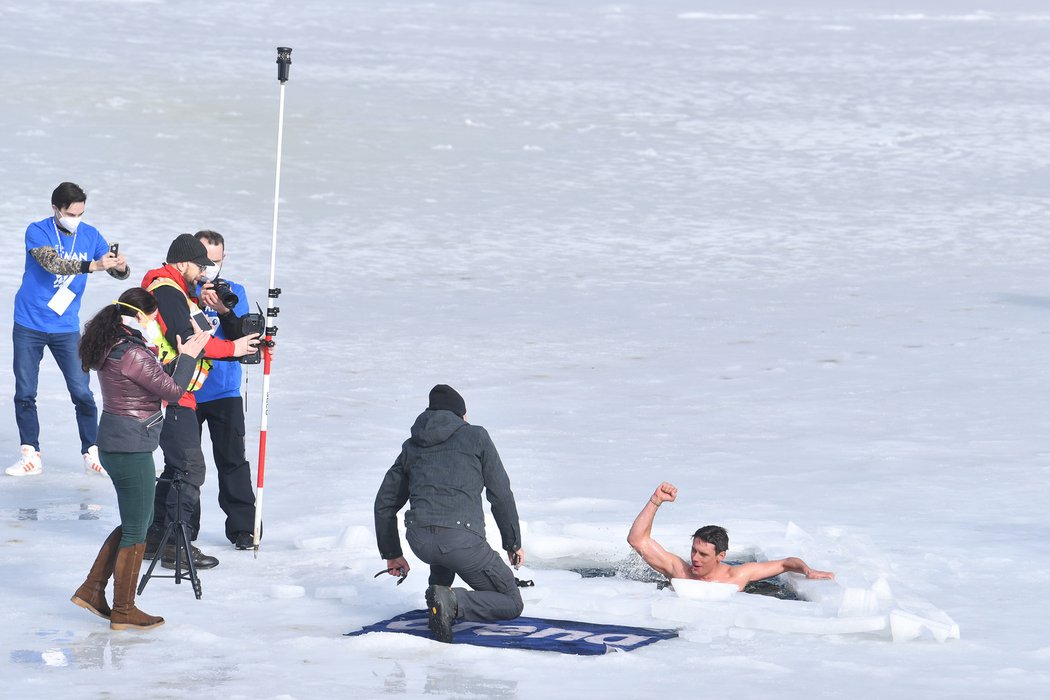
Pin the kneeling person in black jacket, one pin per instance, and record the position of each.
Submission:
(441, 472)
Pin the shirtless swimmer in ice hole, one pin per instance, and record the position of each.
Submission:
(709, 549)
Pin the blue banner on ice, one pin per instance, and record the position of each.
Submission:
(563, 636)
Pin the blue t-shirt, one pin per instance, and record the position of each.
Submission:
(39, 286)
(224, 377)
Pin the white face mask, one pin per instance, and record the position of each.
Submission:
(211, 274)
(151, 332)
(69, 223)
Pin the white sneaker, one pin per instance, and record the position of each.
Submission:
(92, 463)
(28, 464)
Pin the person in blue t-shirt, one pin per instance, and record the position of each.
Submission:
(61, 251)
(219, 404)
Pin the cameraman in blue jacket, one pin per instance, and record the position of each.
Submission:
(219, 403)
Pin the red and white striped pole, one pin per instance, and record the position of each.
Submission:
(284, 62)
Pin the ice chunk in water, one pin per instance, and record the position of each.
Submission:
(858, 602)
(906, 626)
(703, 590)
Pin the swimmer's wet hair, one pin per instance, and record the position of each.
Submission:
(713, 534)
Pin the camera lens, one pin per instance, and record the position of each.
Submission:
(225, 293)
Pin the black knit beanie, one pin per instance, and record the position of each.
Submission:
(186, 248)
(445, 398)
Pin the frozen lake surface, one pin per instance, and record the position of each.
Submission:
(790, 256)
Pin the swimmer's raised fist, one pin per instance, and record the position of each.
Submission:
(665, 492)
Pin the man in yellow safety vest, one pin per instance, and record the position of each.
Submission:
(174, 285)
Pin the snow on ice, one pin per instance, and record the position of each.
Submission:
(790, 256)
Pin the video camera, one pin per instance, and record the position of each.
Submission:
(251, 323)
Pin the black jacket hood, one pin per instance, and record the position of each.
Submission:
(434, 427)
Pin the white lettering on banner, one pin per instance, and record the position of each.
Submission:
(566, 635)
(489, 629)
(422, 624)
(505, 631)
(625, 640)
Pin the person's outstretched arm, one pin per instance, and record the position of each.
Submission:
(756, 571)
(640, 536)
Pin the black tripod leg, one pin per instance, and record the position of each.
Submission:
(160, 555)
(197, 591)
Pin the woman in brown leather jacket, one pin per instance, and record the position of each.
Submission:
(115, 343)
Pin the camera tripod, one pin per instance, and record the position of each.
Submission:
(180, 531)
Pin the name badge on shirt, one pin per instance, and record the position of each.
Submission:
(61, 301)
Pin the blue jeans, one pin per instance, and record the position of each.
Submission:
(28, 352)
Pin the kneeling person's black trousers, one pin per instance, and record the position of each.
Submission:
(454, 551)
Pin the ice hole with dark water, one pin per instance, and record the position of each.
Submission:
(635, 569)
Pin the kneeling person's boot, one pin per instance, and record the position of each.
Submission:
(441, 612)
(125, 577)
(92, 593)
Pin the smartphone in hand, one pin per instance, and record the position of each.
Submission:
(114, 248)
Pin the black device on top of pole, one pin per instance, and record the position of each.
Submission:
(284, 63)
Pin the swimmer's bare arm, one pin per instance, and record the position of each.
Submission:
(640, 536)
(756, 571)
